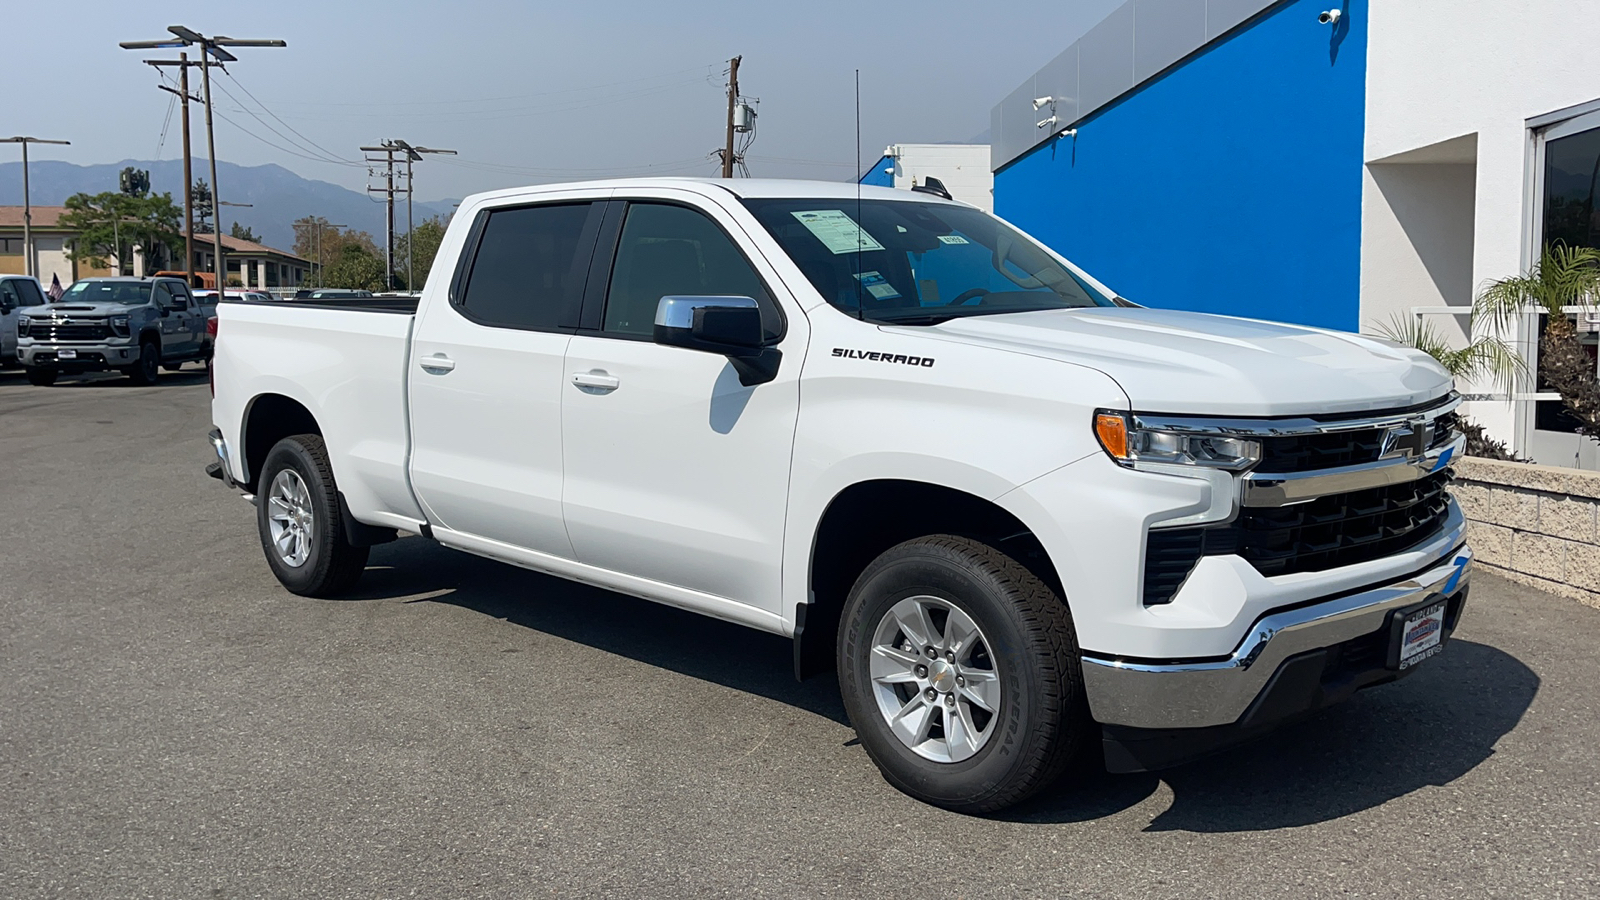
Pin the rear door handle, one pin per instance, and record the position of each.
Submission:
(437, 363)
(596, 380)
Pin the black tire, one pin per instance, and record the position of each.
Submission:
(1042, 723)
(332, 566)
(148, 368)
(41, 377)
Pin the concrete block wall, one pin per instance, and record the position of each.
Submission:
(1538, 525)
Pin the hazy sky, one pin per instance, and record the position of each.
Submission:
(532, 91)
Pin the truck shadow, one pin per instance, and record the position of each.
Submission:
(690, 644)
(1429, 729)
(1426, 730)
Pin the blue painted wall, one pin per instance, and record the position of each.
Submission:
(1230, 185)
(879, 174)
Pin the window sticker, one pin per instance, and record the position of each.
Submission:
(878, 286)
(953, 239)
(837, 231)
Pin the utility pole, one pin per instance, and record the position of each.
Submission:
(27, 202)
(389, 148)
(183, 63)
(211, 54)
(733, 98)
(413, 154)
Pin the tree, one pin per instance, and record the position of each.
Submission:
(1564, 276)
(202, 206)
(1485, 357)
(355, 267)
(426, 238)
(106, 223)
(321, 243)
(243, 233)
(134, 182)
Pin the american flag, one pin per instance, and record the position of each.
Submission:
(56, 290)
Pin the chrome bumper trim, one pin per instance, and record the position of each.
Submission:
(1262, 489)
(220, 445)
(1218, 692)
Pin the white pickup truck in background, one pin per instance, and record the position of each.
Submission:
(1022, 518)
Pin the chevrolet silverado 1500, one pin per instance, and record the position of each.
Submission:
(1020, 517)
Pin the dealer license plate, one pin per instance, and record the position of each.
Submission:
(66, 354)
(1422, 635)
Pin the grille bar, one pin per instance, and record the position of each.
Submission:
(87, 331)
(1326, 533)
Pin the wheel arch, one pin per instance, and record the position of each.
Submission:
(866, 518)
(268, 419)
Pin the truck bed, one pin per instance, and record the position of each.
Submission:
(335, 358)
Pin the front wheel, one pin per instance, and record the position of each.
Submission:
(41, 377)
(300, 521)
(148, 368)
(959, 669)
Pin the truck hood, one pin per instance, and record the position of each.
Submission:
(1183, 362)
(86, 310)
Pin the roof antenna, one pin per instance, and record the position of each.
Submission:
(860, 230)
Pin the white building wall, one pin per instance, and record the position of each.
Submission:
(964, 169)
(1440, 73)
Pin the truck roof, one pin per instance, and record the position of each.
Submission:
(739, 187)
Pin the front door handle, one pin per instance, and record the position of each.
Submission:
(596, 380)
(438, 363)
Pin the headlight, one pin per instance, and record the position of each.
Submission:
(22, 324)
(119, 324)
(1127, 443)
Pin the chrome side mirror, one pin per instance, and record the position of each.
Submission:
(725, 325)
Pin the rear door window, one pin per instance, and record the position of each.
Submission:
(530, 266)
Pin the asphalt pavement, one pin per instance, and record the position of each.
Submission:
(174, 724)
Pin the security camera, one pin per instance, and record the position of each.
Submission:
(1045, 123)
(1042, 101)
(1330, 16)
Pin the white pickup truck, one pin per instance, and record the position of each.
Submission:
(1024, 519)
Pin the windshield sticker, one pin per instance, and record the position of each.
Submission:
(837, 231)
(878, 286)
(953, 239)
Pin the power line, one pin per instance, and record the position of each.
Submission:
(269, 112)
(165, 124)
(315, 153)
(459, 101)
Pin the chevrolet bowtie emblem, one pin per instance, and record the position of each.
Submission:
(1408, 439)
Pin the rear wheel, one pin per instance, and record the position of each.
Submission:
(148, 368)
(41, 377)
(300, 521)
(960, 671)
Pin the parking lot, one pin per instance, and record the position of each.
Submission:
(174, 724)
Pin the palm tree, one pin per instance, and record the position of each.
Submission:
(1486, 357)
(1564, 276)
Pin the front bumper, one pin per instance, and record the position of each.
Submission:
(1292, 661)
(86, 357)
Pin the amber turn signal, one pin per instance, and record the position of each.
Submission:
(1112, 430)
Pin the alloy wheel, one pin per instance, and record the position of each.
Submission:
(290, 518)
(934, 679)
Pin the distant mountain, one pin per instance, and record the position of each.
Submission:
(278, 196)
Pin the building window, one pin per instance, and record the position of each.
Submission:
(11, 246)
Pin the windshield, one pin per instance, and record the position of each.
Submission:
(916, 263)
(127, 293)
